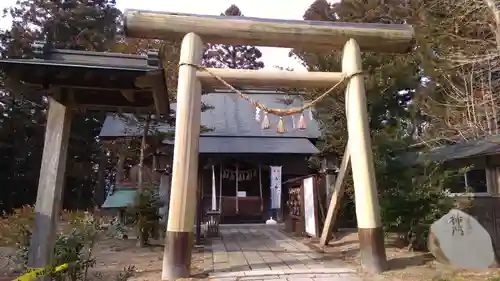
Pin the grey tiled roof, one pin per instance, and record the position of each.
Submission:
(473, 148)
(490, 145)
(97, 79)
(115, 126)
(230, 116)
(87, 59)
(273, 145)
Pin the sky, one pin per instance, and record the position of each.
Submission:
(274, 9)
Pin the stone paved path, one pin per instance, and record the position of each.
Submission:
(263, 252)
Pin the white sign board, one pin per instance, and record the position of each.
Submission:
(309, 210)
(275, 187)
(242, 194)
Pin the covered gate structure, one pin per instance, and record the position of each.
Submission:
(77, 80)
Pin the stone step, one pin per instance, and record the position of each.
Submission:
(322, 271)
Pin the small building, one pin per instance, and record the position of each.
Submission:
(236, 152)
(482, 157)
(480, 187)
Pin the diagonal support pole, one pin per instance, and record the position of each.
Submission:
(338, 193)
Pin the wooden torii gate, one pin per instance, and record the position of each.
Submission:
(307, 35)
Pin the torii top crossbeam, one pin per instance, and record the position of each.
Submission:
(307, 35)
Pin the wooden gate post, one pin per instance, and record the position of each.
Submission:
(179, 236)
(371, 235)
(50, 185)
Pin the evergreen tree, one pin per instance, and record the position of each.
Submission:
(232, 56)
(84, 25)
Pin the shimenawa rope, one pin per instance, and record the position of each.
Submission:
(274, 111)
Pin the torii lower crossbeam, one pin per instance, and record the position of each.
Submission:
(269, 78)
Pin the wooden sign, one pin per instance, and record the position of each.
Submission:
(275, 187)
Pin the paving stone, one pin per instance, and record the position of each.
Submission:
(349, 277)
(227, 274)
(262, 277)
(264, 272)
(225, 279)
(302, 275)
(220, 257)
(296, 278)
(221, 267)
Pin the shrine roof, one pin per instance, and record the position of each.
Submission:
(120, 198)
(91, 80)
(232, 126)
(229, 116)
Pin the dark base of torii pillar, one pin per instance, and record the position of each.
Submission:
(372, 247)
(177, 255)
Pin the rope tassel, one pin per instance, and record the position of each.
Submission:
(281, 126)
(301, 125)
(265, 122)
(257, 114)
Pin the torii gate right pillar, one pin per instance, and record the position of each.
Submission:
(371, 235)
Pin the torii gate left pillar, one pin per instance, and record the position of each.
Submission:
(182, 211)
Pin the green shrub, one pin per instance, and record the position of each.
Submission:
(74, 242)
(145, 213)
(412, 197)
(74, 248)
(15, 227)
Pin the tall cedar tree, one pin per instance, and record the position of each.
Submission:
(232, 56)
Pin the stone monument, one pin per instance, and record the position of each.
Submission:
(460, 240)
